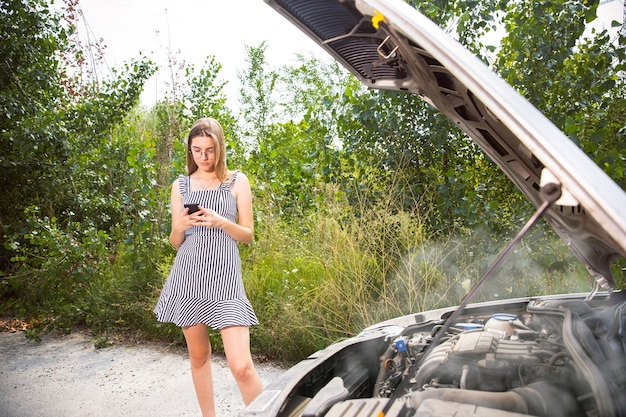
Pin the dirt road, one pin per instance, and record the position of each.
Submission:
(65, 376)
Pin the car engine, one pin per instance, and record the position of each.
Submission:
(557, 358)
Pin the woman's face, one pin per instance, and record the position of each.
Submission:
(203, 152)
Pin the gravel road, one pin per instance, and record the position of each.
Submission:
(64, 375)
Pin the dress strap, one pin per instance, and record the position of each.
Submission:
(183, 184)
(229, 181)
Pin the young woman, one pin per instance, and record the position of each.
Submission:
(205, 288)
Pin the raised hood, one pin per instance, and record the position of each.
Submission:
(389, 45)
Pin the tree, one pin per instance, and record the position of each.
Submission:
(292, 140)
(56, 151)
(34, 142)
(204, 95)
(257, 108)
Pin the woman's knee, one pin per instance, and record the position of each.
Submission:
(198, 346)
(242, 369)
(199, 356)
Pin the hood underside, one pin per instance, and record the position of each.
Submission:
(389, 45)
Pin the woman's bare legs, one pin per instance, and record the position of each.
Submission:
(199, 347)
(237, 348)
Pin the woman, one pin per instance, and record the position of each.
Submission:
(205, 287)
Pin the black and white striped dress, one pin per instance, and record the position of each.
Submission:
(205, 283)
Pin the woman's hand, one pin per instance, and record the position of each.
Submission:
(209, 218)
(203, 217)
(182, 222)
(185, 220)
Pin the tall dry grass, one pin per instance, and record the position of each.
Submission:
(357, 262)
(348, 265)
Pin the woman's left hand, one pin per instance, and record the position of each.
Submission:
(210, 218)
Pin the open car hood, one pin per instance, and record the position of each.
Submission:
(389, 45)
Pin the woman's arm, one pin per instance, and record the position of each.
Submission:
(245, 219)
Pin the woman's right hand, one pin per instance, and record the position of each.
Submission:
(181, 219)
(186, 220)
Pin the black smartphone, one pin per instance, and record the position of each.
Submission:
(192, 208)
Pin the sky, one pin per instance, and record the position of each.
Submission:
(191, 30)
(195, 29)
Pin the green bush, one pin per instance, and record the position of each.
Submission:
(54, 270)
(76, 276)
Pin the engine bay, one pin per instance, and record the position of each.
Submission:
(554, 357)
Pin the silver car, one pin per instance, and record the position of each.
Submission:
(540, 356)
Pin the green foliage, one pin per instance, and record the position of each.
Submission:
(54, 273)
(469, 21)
(33, 137)
(105, 105)
(84, 275)
(287, 158)
(390, 132)
(72, 276)
(52, 133)
(572, 76)
(257, 95)
(205, 93)
(66, 147)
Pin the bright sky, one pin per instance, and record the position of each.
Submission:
(192, 30)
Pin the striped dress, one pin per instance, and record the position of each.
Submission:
(205, 283)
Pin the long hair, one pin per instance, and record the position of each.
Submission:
(208, 127)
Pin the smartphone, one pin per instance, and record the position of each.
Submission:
(192, 208)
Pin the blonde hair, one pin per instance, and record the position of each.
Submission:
(209, 127)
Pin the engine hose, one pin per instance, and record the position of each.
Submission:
(384, 373)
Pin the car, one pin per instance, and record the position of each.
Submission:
(559, 355)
